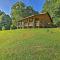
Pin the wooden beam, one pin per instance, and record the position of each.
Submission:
(33, 22)
(22, 24)
(28, 23)
(17, 25)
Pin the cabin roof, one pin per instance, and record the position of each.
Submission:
(37, 15)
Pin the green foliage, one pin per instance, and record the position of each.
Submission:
(30, 44)
(53, 7)
(0, 26)
(58, 24)
(17, 11)
(13, 27)
(57, 12)
(5, 20)
(3, 28)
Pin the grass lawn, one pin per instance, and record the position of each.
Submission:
(30, 44)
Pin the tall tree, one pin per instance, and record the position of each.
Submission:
(1, 16)
(17, 11)
(30, 11)
(53, 7)
(6, 21)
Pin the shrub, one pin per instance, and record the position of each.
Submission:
(3, 28)
(13, 27)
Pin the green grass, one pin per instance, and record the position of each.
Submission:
(30, 44)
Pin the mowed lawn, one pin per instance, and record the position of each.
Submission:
(30, 44)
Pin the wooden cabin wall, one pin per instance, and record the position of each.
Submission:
(42, 20)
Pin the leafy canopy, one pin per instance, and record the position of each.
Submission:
(53, 7)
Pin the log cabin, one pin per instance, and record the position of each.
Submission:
(42, 20)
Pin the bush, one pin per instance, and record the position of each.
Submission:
(13, 27)
(3, 28)
(58, 24)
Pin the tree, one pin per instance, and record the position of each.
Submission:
(57, 12)
(58, 24)
(17, 11)
(53, 7)
(6, 21)
(1, 15)
(30, 11)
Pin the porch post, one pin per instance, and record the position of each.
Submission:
(22, 24)
(17, 25)
(28, 22)
(33, 22)
(39, 23)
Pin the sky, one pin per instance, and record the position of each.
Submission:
(5, 5)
